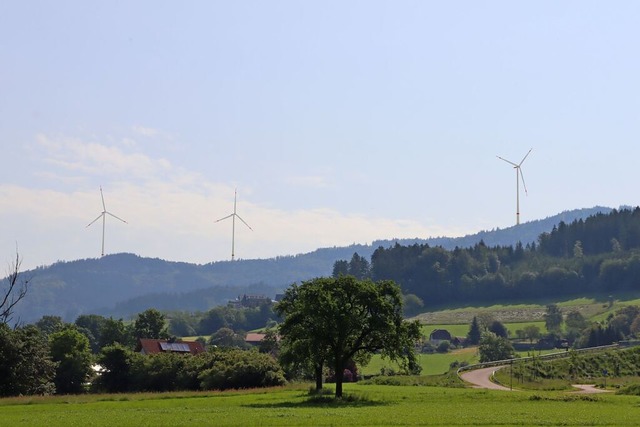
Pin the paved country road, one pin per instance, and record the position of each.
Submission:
(588, 389)
(480, 378)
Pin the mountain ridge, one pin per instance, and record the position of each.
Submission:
(122, 285)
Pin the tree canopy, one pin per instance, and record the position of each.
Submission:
(553, 318)
(336, 320)
(473, 336)
(150, 323)
(25, 363)
(71, 351)
(493, 347)
(599, 254)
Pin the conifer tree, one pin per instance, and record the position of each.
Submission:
(474, 332)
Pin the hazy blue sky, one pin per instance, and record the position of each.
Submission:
(338, 122)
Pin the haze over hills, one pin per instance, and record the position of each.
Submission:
(123, 285)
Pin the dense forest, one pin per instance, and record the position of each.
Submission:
(600, 254)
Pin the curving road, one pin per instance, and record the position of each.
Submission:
(481, 378)
(587, 389)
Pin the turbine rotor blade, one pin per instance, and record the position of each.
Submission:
(244, 222)
(523, 183)
(524, 158)
(99, 216)
(104, 207)
(221, 219)
(508, 161)
(116, 217)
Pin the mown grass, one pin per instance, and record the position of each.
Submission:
(432, 364)
(365, 404)
(595, 307)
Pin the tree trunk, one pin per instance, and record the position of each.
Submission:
(318, 373)
(339, 378)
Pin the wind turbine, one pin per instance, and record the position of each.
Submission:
(519, 175)
(104, 216)
(233, 222)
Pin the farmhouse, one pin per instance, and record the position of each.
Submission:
(254, 338)
(250, 301)
(152, 346)
(438, 335)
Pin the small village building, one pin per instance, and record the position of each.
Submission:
(153, 346)
(250, 301)
(438, 335)
(254, 338)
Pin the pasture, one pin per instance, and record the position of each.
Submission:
(595, 307)
(432, 364)
(364, 405)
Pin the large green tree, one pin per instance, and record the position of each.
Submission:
(26, 367)
(151, 323)
(114, 331)
(49, 325)
(553, 318)
(117, 362)
(473, 336)
(340, 319)
(91, 326)
(493, 347)
(71, 350)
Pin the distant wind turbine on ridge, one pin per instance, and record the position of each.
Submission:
(519, 175)
(233, 222)
(103, 215)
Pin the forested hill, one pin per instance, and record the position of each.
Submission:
(600, 254)
(124, 284)
(525, 233)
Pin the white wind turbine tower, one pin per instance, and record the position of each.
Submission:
(104, 215)
(519, 175)
(233, 222)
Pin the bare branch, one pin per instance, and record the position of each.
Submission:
(14, 292)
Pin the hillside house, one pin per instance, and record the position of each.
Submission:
(254, 338)
(153, 346)
(250, 301)
(438, 335)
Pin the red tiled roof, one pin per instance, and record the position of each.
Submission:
(253, 337)
(152, 346)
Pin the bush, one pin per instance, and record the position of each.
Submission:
(443, 347)
(428, 348)
(632, 390)
(233, 368)
(219, 369)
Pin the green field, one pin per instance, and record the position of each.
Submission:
(432, 364)
(595, 307)
(364, 404)
(368, 405)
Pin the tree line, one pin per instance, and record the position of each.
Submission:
(328, 326)
(599, 254)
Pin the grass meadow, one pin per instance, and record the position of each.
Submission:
(366, 405)
(369, 404)
(432, 364)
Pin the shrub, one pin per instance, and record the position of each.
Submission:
(443, 347)
(233, 368)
